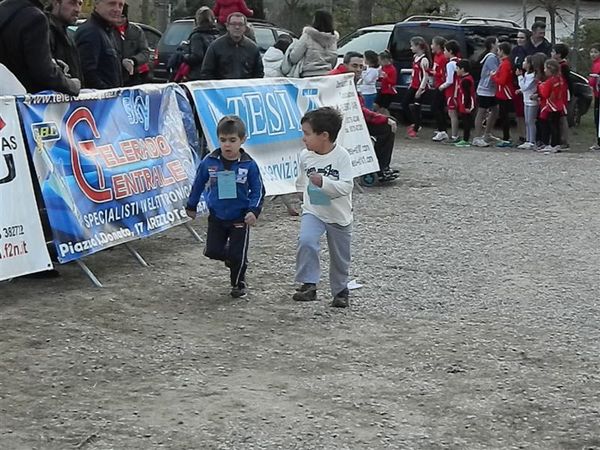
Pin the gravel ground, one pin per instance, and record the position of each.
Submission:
(476, 328)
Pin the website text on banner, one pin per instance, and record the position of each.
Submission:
(272, 109)
(113, 165)
(22, 244)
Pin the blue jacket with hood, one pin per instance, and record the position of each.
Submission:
(249, 186)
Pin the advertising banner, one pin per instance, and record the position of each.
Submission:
(22, 244)
(272, 108)
(113, 165)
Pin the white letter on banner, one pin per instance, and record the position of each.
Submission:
(237, 101)
(271, 103)
(285, 102)
(253, 113)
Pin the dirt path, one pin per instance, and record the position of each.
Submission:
(476, 328)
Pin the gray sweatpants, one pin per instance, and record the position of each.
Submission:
(307, 256)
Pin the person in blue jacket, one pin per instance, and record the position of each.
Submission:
(234, 192)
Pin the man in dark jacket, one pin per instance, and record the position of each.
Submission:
(61, 14)
(25, 48)
(538, 43)
(232, 56)
(97, 44)
(134, 51)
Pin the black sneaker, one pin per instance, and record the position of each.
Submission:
(341, 300)
(239, 291)
(306, 293)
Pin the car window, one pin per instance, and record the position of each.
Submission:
(401, 36)
(152, 37)
(361, 41)
(264, 38)
(177, 32)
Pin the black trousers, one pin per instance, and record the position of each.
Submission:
(411, 107)
(596, 116)
(551, 129)
(467, 123)
(384, 143)
(504, 112)
(438, 106)
(227, 240)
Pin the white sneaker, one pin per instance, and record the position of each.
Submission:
(526, 146)
(546, 149)
(440, 136)
(480, 142)
(595, 148)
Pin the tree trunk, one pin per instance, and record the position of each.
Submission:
(145, 11)
(365, 13)
(576, 35)
(525, 14)
(552, 13)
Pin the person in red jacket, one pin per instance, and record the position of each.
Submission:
(439, 77)
(553, 96)
(382, 128)
(388, 77)
(505, 91)
(223, 8)
(594, 80)
(464, 89)
(560, 52)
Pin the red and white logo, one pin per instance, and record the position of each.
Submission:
(2, 123)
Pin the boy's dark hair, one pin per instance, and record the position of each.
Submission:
(371, 58)
(283, 42)
(229, 125)
(539, 25)
(561, 49)
(324, 119)
(349, 55)
(505, 47)
(452, 47)
(323, 21)
(385, 55)
(439, 41)
(464, 64)
(595, 45)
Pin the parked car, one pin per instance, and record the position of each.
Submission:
(152, 36)
(374, 37)
(470, 33)
(178, 31)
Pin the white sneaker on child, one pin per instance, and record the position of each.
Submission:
(440, 136)
(526, 146)
(480, 142)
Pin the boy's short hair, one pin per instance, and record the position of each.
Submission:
(595, 46)
(539, 25)
(229, 125)
(324, 119)
(372, 57)
(452, 47)
(464, 64)
(349, 55)
(561, 49)
(505, 47)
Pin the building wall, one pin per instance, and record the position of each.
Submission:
(512, 10)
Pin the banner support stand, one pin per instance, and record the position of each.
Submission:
(193, 232)
(89, 273)
(136, 255)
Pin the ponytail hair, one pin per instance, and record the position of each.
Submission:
(422, 44)
(489, 42)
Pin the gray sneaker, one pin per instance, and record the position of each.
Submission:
(306, 293)
(480, 142)
(341, 300)
(239, 291)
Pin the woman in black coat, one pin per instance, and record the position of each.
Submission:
(199, 41)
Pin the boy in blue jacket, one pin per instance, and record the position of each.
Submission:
(234, 193)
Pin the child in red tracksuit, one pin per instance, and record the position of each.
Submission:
(464, 89)
(223, 8)
(388, 77)
(553, 96)
(560, 52)
(438, 104)
(411, 104)
(594, 80)
(505, 91)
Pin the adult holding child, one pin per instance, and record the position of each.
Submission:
(315, 53)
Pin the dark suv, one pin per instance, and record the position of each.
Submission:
(266, 34)
(470, 33)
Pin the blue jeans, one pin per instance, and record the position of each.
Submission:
(369, 100)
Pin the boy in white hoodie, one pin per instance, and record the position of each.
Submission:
(325, 180)
(273, 57)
